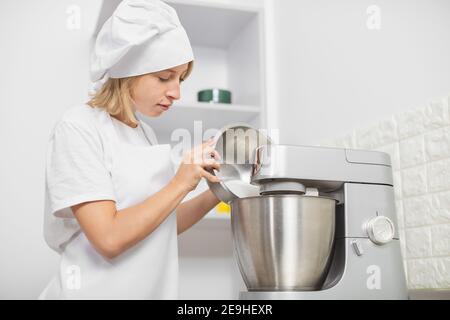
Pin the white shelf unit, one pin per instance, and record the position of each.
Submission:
(210, 115)
(228, 42)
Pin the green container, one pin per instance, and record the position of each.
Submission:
(214, 96)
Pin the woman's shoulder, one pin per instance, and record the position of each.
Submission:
(83, 118)
(83, 114)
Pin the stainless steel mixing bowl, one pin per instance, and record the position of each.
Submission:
(283, 242)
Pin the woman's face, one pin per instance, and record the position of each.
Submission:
(154, 93)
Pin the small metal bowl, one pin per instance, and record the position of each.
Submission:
(236, 145)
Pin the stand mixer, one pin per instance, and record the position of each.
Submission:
(321, 224)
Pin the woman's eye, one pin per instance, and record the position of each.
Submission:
(163, 79)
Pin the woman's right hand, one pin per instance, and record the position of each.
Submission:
(194, 164)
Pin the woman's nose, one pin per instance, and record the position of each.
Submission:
(174, 92)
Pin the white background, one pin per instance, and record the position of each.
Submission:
(334, 74)
(331, 74)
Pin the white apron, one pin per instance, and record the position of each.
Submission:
(148, 270)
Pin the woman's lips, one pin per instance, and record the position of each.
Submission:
(164, 107)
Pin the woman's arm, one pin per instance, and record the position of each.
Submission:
(112, 232)
(190, 212)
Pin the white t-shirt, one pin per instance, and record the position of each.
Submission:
(78, 169)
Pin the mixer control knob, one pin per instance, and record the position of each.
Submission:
(381, 230)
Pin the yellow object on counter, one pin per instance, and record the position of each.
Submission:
(223, 208)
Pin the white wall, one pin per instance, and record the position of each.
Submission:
(44, 71)
(418, 142)
(335, 74)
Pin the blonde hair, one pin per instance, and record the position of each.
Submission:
(116, 98)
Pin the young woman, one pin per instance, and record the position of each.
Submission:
(113, 198)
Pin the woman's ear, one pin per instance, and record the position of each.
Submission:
(132, 86)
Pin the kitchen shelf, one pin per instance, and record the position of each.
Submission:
(219, 216)
(224, 21)
(214, 213)
(224, 18)
(212, 116)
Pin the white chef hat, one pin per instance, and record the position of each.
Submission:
(140, 37)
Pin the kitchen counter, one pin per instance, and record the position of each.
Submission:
(429, 294)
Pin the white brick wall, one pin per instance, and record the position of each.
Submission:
(418, 142)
